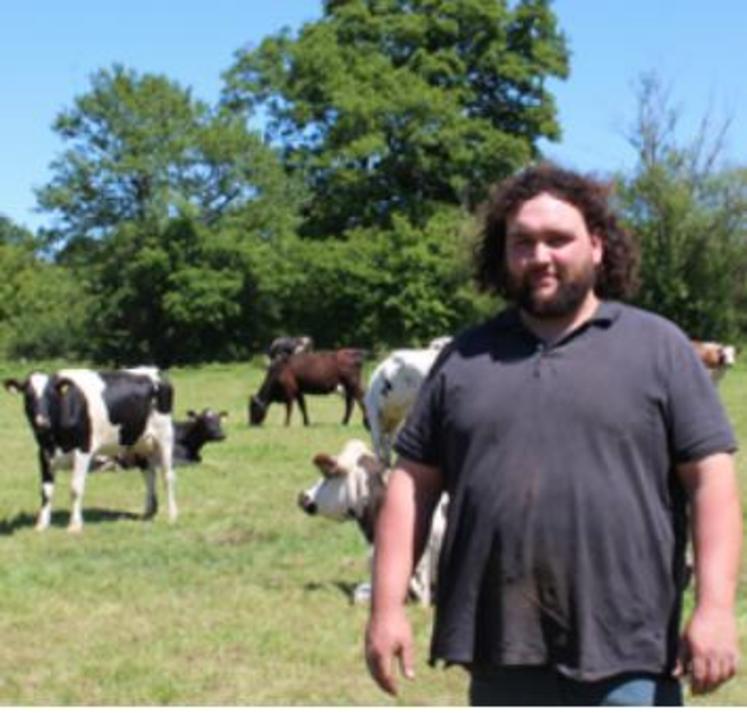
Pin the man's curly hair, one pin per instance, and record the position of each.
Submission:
(617, 276)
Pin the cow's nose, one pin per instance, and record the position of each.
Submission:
(41, 421)
(306, 504)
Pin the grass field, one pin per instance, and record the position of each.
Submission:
(244, 601)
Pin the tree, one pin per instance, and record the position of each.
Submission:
(689, 211)
(43, 308)
(12, 234)
(145, 196)
(402, 106)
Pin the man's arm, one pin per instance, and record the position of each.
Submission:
(401, 533)
(709, 652)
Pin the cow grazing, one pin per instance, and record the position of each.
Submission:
(79, 414)
(288, 379)
(716, 357)
(392, 389)
(352, 487)
(285, 346)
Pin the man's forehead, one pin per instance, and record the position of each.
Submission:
(545, 211)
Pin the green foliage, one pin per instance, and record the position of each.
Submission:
(43, 308)
(167, 295)
(375, 288)
(12, 234)
(398, 107)
(146, 198)
(691, 218)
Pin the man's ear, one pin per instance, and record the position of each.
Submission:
(597, 246)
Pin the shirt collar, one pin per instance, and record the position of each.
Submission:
(607, 312)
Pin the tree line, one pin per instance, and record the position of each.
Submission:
(179, 234)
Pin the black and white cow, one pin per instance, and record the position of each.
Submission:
(282, 347)
(392, 389)
(78, 414)
(191, 435)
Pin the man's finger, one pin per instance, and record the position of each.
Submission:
(380, 668)
(407, 661)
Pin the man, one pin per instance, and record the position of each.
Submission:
(574, 435)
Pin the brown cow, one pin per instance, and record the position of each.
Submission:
(289, 378)
(716, 357)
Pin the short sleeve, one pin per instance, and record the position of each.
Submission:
(419, 439)
(698, 423)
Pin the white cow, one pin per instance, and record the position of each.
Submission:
(352, 487)
(391, 392)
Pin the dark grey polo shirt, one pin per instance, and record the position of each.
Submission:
(566, 525)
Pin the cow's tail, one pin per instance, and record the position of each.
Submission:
(164, 396)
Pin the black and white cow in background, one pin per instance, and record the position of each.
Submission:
(352, 487)
(78, 414)
(392, 389)
(189, 438)
(191, 435)
(285, 346)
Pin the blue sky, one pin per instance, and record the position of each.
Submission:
(50, 48)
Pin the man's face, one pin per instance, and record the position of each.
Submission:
(551, 258)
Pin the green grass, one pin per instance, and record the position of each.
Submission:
(243, 601)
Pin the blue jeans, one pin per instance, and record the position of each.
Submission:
(543, 686)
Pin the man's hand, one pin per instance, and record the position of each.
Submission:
(709, 650)
(388, 638)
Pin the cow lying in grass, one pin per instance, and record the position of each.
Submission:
(189, 438)
(288, 379)
(79, 414)
(352, 488)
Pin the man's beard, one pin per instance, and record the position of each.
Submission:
(568, 297)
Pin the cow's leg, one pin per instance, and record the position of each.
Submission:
(288, 410)
(348, 407)
(151, 499)
(166, 456)
(302, 406)
(169, 479)
(81, 463)
(358, 396)
(47, 490)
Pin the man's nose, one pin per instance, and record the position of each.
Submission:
(540, 253)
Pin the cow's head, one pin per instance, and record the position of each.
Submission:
(351, 483)
(728, 355)
(257, 411)
(208, 424)
(36, 400)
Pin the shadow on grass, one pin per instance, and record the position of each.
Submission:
(61, 518)
(347, 588)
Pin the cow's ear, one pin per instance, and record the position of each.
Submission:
(13, 386)
(191, 414)
(223, 415)
(328, 466)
